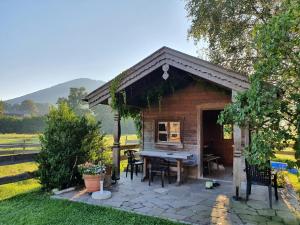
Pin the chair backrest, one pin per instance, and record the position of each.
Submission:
(257, 175)
(130, 156)
(157, 163)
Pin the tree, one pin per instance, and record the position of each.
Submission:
(1, 108)
(74, 100)
(68, 140)
(271, 107)
(227, 26)
(28, 107)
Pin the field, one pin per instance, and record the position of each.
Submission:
(19, 138)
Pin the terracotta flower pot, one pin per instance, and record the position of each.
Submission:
(92, 182)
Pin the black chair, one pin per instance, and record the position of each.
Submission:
(264, 177)
(133, 163)
(158, 166)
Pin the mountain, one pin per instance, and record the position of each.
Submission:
(51, 94)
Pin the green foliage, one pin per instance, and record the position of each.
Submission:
(28, 107)
(227, 26)
(151, 96)
(26, 125)
(281, 178)
(104, 114)
(68, 141)
(1, 108)
(75, 102)
(118, 102)
(271, 107)
(91, 169)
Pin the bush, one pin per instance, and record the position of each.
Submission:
(68, 141)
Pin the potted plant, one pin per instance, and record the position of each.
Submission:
(92, 174)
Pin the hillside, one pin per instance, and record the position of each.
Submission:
(51, 94)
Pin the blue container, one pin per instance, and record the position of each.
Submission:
(293, 171)
(283, 166)
(279, 165)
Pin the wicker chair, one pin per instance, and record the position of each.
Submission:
(262, 177)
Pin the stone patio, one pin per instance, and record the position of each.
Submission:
(193, 204)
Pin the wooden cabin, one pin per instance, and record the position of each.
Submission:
(185, 118)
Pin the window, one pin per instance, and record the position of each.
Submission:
(227, 132)
(168, 132)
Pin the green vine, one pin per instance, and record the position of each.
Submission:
(119, 102)
(150, 97)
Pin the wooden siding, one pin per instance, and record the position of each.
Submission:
(183, 105)
(179, 60)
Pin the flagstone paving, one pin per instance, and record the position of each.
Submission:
(192, 203)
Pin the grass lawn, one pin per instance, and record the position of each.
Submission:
(24, 203)
(18, 138)
(109, 140)
(37, 208)
(294, 181)
(15, 169)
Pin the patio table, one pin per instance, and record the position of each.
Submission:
(178, 155)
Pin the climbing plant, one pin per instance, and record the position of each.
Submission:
(148, 98)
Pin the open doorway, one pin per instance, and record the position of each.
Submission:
(217, 147)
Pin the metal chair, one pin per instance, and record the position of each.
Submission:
(264, 177)
(158, 166)
(133, 163)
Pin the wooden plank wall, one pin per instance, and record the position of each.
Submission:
(182, 105)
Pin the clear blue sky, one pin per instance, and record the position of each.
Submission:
(43, 43)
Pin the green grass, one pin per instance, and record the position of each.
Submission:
(8, 191)
(37, 208)
(109, 140)
(18, 138)
(294, 181)
(23, 202)
(283, 158)
(11, 170)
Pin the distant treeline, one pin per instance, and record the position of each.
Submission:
(26, 125)
(29, 125)
(29, 117)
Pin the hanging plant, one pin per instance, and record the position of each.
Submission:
(153, 96)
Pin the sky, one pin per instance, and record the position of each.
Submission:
(43, 43)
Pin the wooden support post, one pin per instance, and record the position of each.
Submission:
(179, 170)
(145, 169)
(237, 159)
(116, 146)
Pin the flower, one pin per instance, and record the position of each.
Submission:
(91, 169)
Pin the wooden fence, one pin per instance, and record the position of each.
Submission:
(10, 157)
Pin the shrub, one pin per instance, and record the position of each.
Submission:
(68, 141)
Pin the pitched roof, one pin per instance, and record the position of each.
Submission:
(165, 55)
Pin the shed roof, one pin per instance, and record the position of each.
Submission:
(201, 68)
